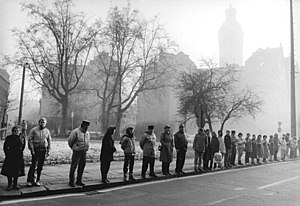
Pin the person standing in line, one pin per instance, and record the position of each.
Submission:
(39, 144)
(265, 149)
(107, 153)
(287, 140)
(241, 147)
(233, 147)
(128, 145)
(228, 145)
(283, 148)
(13, 165)
(199, 145)
(181, 145)
(293, 147)
(78, 141)
(259, 149)
(147, 144)
(254, 149)
(248, 148)
(215, 146)
(298, 143)
(222, 146)
(276, 147)
(208, 153)
(271, 148)
(166, 153)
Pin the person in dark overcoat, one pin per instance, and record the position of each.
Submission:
(107, 153)
(166, 153)
(208, 155)
(254, 149)
(215, 145)
(13, 166)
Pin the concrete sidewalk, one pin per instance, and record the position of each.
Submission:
(55, 178)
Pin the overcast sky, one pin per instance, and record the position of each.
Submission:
(192, 24)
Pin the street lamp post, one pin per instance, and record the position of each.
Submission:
(22, 93)
(293, 98)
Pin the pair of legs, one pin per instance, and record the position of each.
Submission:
(148, 161)
(129, 160)
(233, 155)
(227, 158)
(104, 167)
(198, 160)
(180, 160)
(78, 159)
(165, 168)
(38, 158)
(12, 182)
(240, 154)
(247, 157)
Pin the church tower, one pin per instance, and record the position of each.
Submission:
(231, 40)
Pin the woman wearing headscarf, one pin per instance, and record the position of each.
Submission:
(13, 166)
(107, 152)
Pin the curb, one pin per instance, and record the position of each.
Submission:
(63, 188)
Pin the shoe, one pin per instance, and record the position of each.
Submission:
(143, 177)
(201, 170)
(79, 183)
(131, 178)
(8, 188)
(15, 187)
(30, 184)
(71, 184)
(105, 181)
(153, 175)
(196, 169)
(182, 172)
(36, 184)
(169, 174)
(125, 178)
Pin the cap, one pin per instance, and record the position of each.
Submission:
(181, 126)
(150, 127)
(85, 122)
(167, 126)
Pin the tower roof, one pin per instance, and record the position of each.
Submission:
(230, 13)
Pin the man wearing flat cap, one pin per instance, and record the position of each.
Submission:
(79, 142)
(147, 144)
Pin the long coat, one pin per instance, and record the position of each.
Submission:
(13, 163)
(208, 155)
(271, 146)
(107, 148)
(215, 144)
(167, 145)
(254, 149)
(265, 149)
(259, 149)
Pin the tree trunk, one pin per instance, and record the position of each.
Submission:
(64, 115)
(119, 116)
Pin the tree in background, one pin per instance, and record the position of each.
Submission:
(214, 95)
(131, 60)
(56, 44)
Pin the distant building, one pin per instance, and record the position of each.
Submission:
(4, 92)
(266, 72)
(231, 40)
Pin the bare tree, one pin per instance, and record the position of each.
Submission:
(134, 62)
(57, 45)
(210, 95)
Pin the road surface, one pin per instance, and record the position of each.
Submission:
(271, 184)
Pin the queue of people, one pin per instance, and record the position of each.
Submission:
(211, 151)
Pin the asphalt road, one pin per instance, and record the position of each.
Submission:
(272, 184)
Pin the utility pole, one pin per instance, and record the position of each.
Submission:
(22, 93)
(293, 98)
